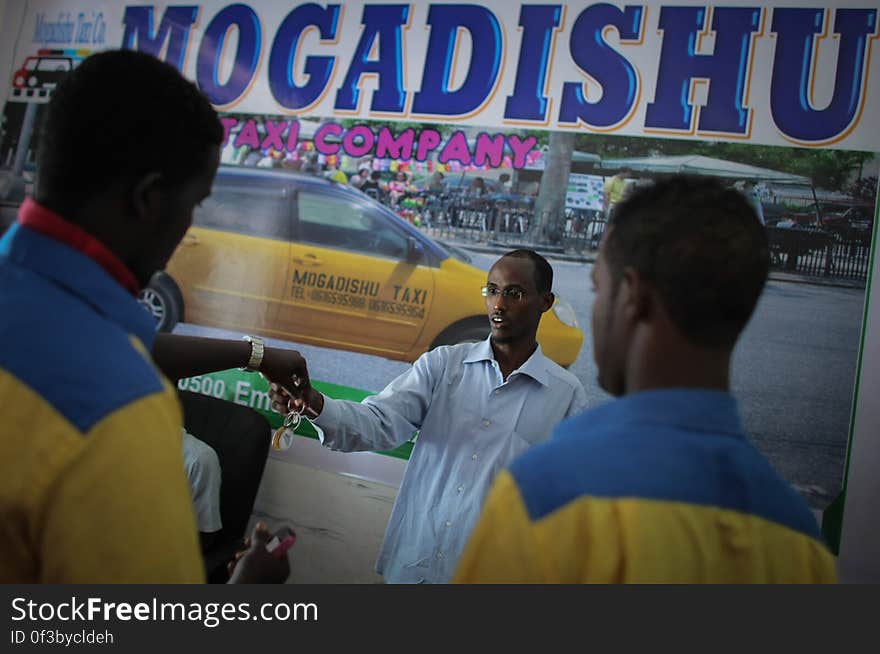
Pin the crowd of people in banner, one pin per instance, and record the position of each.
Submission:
(432, 194)
(424, 193)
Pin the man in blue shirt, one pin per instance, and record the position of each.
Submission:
(661, 485)
(476, 407)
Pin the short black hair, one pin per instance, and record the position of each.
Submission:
(701, 246)
(543, 269)
(119, 115)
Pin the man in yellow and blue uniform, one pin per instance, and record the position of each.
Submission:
(660, 485)
(93, 487)
(92, 484)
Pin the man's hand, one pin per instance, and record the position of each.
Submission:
(305, 399)
(283, 368)
(289, 385)
(255, 565)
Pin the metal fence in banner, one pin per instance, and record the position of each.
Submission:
(843, 255)
(812, 252)
(513, 223)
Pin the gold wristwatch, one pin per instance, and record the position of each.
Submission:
(257, 349)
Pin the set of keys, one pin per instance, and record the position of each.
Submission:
(283, 437)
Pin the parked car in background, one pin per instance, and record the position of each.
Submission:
(773, 213)
(302, 258)
(853, 221)
(804, 217)
(844, 219)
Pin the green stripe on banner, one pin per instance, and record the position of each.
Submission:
(251, 390)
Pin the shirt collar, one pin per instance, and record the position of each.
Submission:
(80, 275)
(481, 351)
(35, 216)
(695, 409)
(534, 367)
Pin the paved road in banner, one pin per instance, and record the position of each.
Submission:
(793, 372)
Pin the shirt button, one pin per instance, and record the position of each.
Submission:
(486, 423)
(449, 523)
(475, 457)
(460, 489)
(439, 555)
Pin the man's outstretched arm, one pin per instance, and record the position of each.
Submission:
(186, 356)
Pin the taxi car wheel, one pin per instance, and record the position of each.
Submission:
(472, 330)
(163, 299)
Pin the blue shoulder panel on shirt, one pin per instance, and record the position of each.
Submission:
(82, 363)
(656, 462)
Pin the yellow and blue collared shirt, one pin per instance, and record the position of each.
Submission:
(92, 485)
(656, 487)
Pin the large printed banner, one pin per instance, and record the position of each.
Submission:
(780, 73)
(460, 87)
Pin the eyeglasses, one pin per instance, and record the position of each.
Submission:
(513, 294)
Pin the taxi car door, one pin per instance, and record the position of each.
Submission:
(350, 283)
(232, 263)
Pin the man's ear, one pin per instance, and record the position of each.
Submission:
(547, 300)
(148, 197)
(637, 294)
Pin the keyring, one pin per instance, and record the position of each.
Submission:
(283, 437)
(292, 420)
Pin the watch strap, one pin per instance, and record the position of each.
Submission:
(258, 347)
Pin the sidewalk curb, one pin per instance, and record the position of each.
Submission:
(775, 276)
(853, 285)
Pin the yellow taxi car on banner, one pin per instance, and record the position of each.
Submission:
(300, 258)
